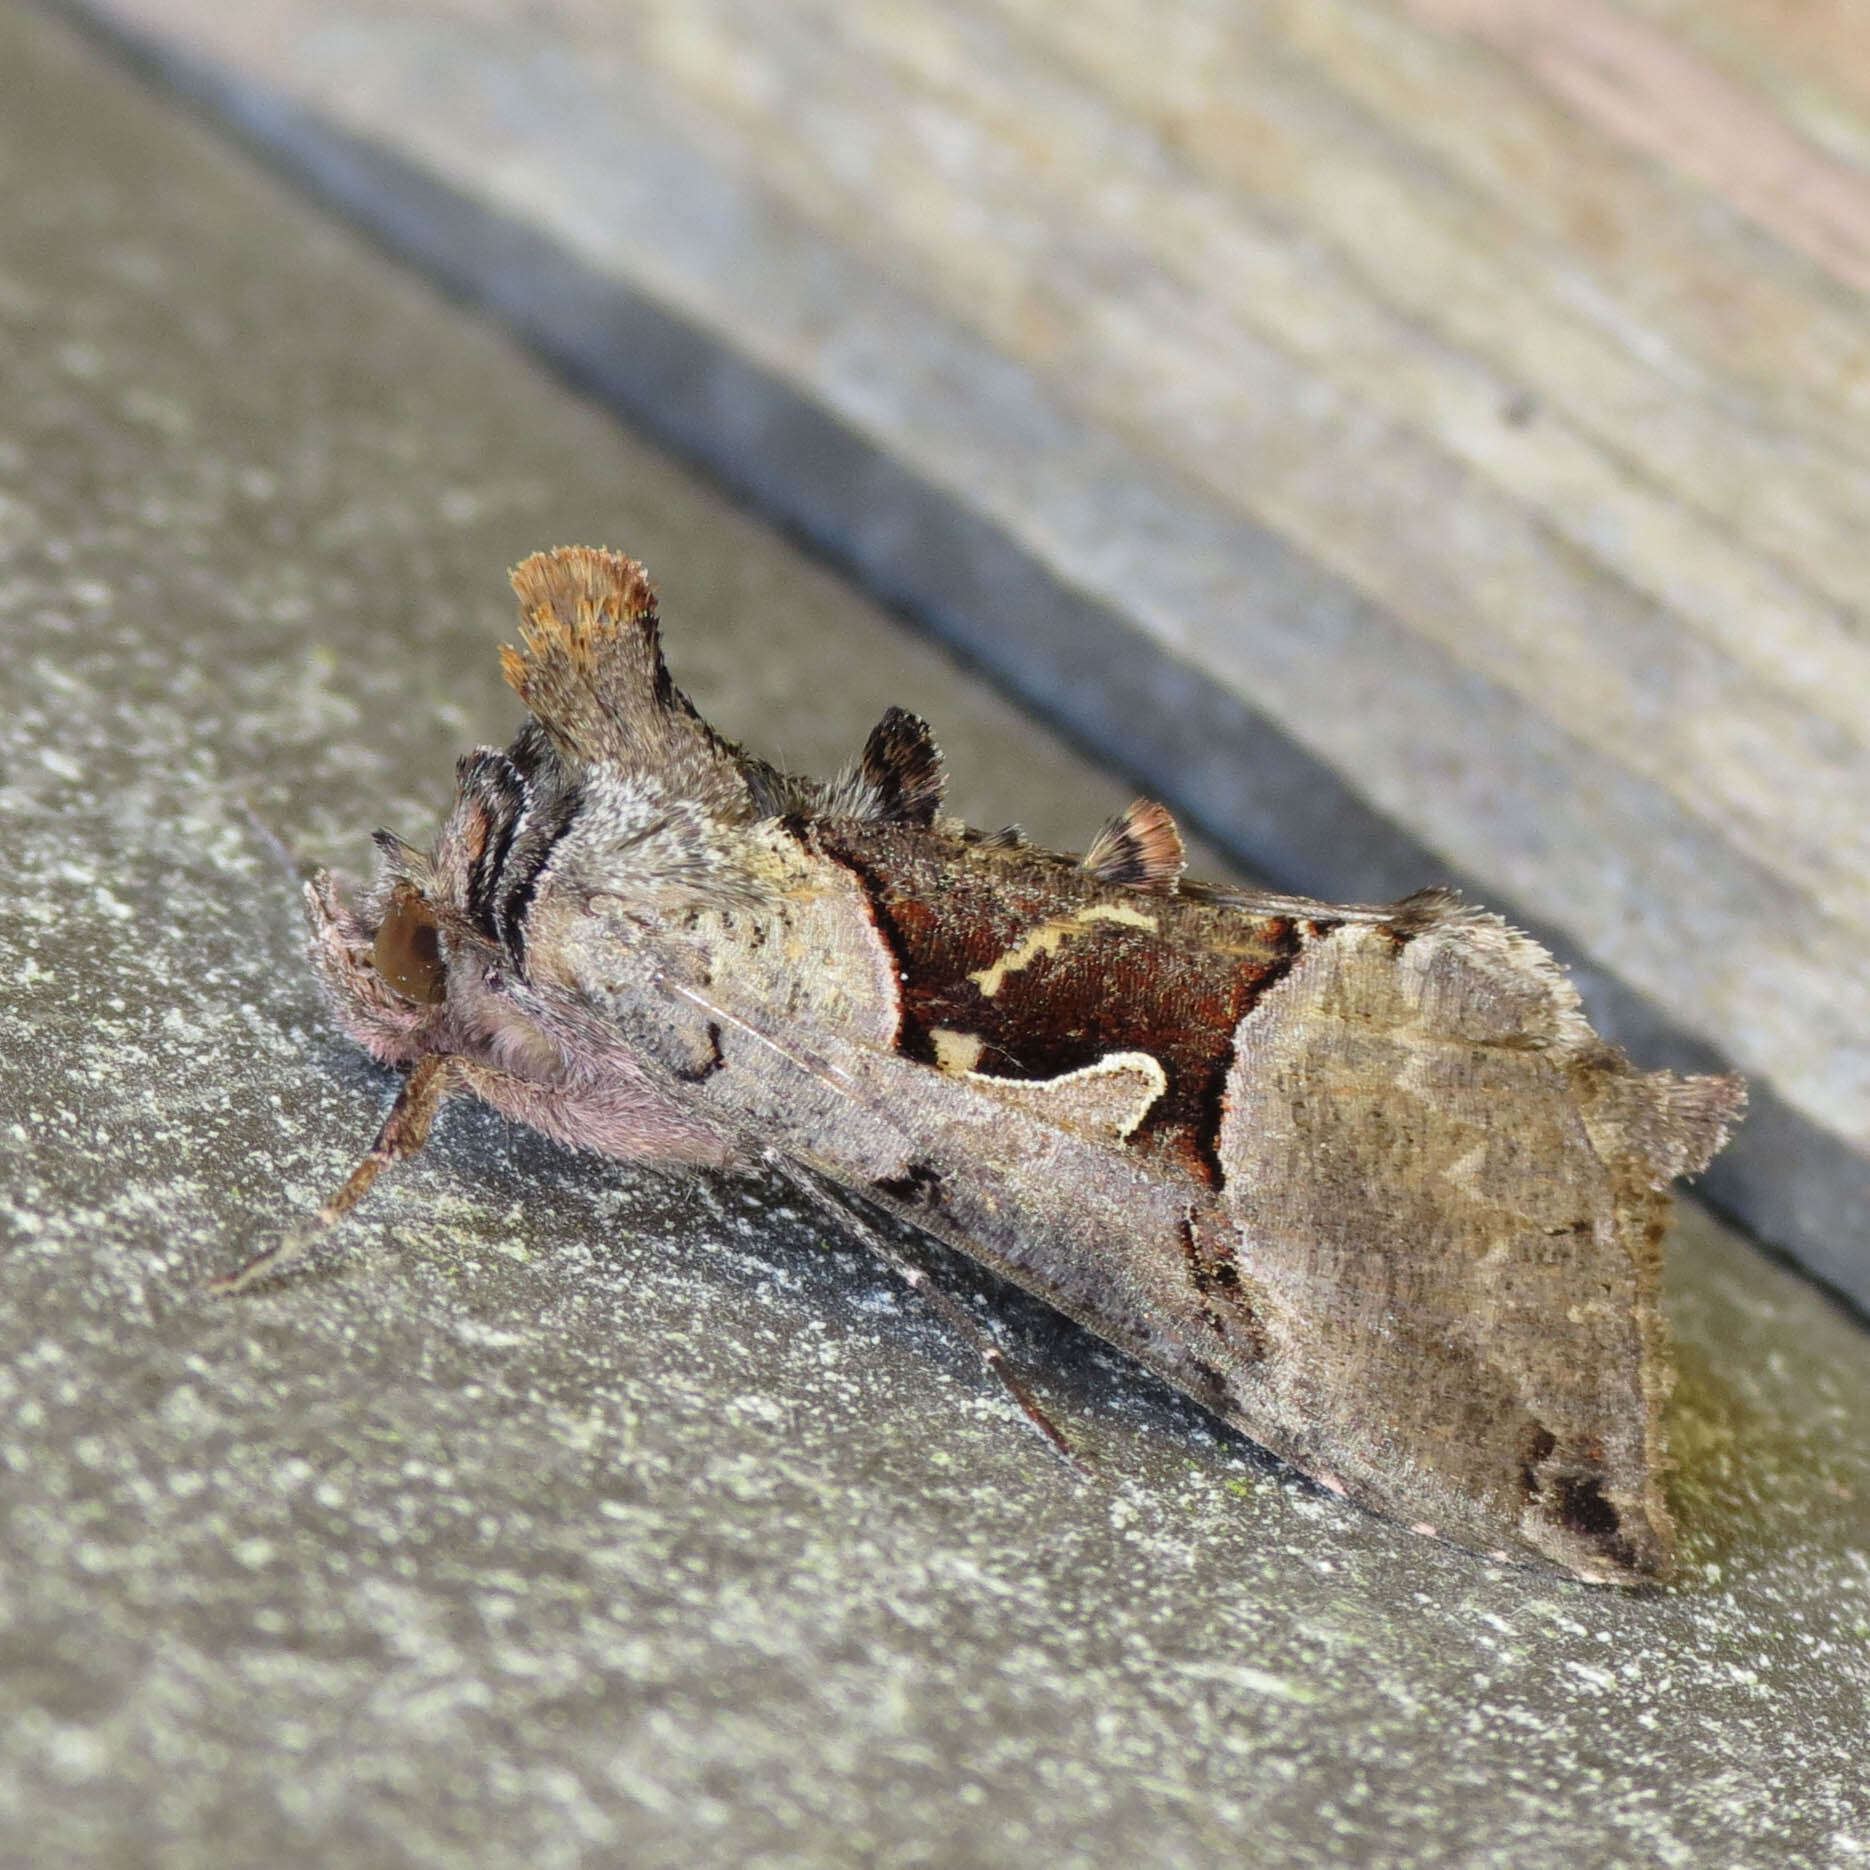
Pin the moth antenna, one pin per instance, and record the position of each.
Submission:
(404, 1132)
(835, 1076)
(277, 848)
(834, 1203)
(1411, 915)
(1139, 848)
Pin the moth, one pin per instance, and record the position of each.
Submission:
(1361, 1180)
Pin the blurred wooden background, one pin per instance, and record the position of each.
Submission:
(1469, 394)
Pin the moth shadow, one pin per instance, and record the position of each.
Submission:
(1092, 1391)
(1718, 1449)
(1085, 1384)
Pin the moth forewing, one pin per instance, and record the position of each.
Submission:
(1359, 1179)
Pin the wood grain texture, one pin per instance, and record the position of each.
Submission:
(1535, 331)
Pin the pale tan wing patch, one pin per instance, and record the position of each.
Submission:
(1462, 1291)
(956, 1052)
(1105, 1101)
(1049, 937)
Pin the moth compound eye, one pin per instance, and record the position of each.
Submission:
(408, 952)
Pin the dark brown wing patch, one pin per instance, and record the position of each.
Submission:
(1017, 963)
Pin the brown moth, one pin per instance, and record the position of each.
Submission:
(1361, 1180)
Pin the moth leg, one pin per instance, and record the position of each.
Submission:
(404, 1132)
(932, 1295)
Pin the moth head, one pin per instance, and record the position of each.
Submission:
(406, 950)
(381, 957)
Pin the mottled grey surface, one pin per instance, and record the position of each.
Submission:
(590, 1516)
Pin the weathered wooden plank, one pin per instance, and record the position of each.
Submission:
(1474, 388)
